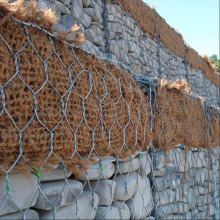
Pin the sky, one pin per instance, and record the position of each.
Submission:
(197, 20)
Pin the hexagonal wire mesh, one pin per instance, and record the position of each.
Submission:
(62, 107)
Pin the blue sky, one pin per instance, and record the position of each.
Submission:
(197, 20)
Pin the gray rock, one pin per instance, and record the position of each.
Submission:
(77, 12)
(177, 157)
(29, 214)
(126, 36)
(129, 22)
(77, 8)
(94, 172)
(217, 187)
(115, 49)
(65, 2)
(113, 11)
(116, 46)
(51, 175)
(216, 216)
(115, 27)
(141, 202)
(126, 167)
(211, 209)
(23, 190)
(105, 190)
(217, 202)
(118, 8)
(124, 57)
(85, 21)
(123, 45)
(91, 3)
(97, 30)
(216, 151)
(132, 47)
(126, 185)
(112, 18)
(94, 13)
(188, 177)
(192, 214)
(94, 38)
(174, 217)
(168, 172)
(198, 159)
(202, 215)
(42, 5)
(203, 200)
(69, 21)
(143, 184)
(177, 208)
(138, 31)
(86, 208)
(160, 184)
(200, 190)
(117, 211)
(215, 167)
(188, 197)
(211, 186)
(160, 159)
(97, 25)
(63, 9)
(174, 183)
(199, 175)
(96, 2)
(134, 56)
(165, 197)
(57, 193)
(147, 69)
(86, 3)
(113, 57)
(90, 47)
(88, 204)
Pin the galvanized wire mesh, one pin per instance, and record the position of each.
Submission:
(135, 179)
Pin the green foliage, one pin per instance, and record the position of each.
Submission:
(214, 60)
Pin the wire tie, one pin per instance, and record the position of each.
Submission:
(38, 173)
(131, 159)
(7, 188)
(140, 156)
(101, 167)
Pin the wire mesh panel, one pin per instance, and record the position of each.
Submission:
(71, 108)
(183, 184)
(93, 98)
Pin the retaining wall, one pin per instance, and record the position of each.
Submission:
(149, 185)
(113, 33)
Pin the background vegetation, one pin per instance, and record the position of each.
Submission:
(216, 62)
